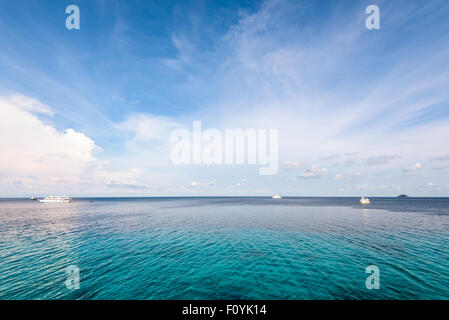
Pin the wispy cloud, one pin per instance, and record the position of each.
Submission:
(291, 165)
(441, 166)
(382, 159)
(443, 157)
(348, 98)
(148, 127)
(27, 103)
(314, 171)
(415, 167)
(437, 186)
(202, 184)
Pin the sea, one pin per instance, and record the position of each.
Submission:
(225, 248)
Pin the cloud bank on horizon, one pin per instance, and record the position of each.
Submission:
(89, 112)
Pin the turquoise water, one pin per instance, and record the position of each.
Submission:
(225, 248)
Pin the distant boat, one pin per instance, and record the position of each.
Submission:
(364, 200)
(56, 199)
(277, 196)
(403, 196)
(33, 198)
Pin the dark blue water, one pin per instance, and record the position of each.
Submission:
(225, 248)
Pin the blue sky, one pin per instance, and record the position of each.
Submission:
(89, 111)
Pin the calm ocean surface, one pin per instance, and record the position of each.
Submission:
(225, 248)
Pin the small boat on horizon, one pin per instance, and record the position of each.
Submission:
(364, 200)
(56, 199)
(33, 198)
(276, 196)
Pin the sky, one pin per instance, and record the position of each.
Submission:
(89, 112)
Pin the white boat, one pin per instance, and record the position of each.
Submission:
(56, 199)
(277, 196)
(33, 198)
(364, 200)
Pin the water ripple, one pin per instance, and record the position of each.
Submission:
(225, 248)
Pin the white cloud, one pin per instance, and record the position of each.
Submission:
(291, 165)
(437, 186)
(128, 179)
(26, 103)
(270, 78)
(331, 156)
(414, 167)
(202, 184)
(441, 166)
(149, 127)
(314, 172)
(443, 157)
(36, 157)
(382, 159)
(275, 83)
(372, 188)
(31, 148)
(242, 182)
(338, 176)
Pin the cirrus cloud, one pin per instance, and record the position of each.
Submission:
(26, 103)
